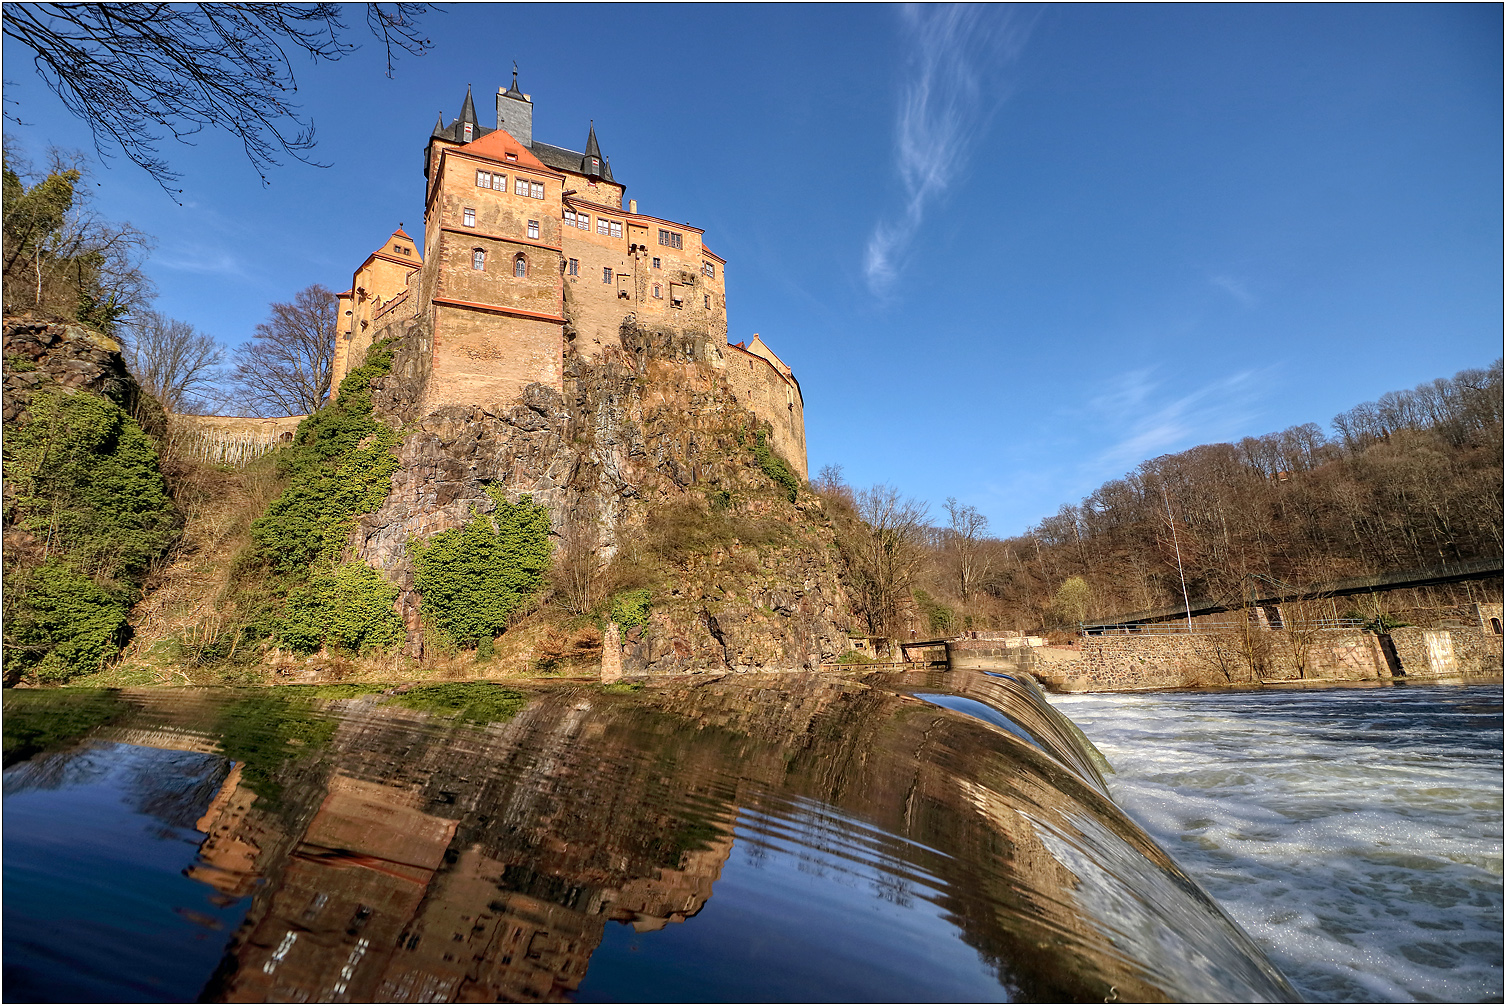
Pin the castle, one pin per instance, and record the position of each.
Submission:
(528, 251)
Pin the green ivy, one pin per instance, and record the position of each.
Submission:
(349, 607)
(630, 608)
(87, 484)
(339, 466)
(473, 577)
(774, 466)
(60, 624)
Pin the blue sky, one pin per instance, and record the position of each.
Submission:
(1009, 252)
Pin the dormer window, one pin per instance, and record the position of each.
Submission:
(512, 157)
(468, 129)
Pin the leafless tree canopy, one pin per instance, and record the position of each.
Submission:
(285, 369)
(964, 544)
(176, 364)
(882, 534)
(135, 72)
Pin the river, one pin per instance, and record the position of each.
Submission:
(784, 838)
(1354, 833)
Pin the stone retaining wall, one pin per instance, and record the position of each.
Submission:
(1132, 662)
(229, 440)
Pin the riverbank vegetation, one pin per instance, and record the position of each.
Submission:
(1412, 480)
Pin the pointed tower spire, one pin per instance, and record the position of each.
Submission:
(513, 92)
(468, 110)
(439, 125)
(591, 164)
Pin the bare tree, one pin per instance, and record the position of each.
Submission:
(884, 552)
(964, 539)
(285, 369)
(576, 574)
(175, 364)
(135, 71)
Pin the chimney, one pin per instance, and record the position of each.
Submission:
(515, 112)
(632, 206)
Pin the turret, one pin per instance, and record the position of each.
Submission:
(515, 112)
(468, 122)
(593, 165)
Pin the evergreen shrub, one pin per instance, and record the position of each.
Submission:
(630, 608)
(473, 578)
(349, 607)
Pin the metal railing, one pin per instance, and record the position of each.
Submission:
(1225, 626)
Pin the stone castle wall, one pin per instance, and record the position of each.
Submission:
(229, 440)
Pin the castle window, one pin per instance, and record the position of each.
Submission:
(606, 274)
(658, 292)
(484, 180)
(575, 267)
(512, 157)
(676, 295)
(583, 221)
(616, 230)
(478, 258)
(520, 186)
(709, 269)
(670, 239)
(569, 218)
(470, 217)
(520, 265)
(468, 132)
(602, 227)
(536, 189)
(708, 302)
(533, 229)
(657, 265)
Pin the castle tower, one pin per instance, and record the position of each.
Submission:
(527, 244)
(515, 111)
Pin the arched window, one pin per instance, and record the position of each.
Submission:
(478, 258)
(520, 265)
(1495, 626)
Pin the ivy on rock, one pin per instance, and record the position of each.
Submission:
(473, 578)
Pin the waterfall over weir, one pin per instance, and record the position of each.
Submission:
(799, 837)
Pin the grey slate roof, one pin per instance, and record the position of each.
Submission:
(567, 160)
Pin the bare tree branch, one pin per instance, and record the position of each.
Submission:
(137, 72)
(285, 369)
(175, 364)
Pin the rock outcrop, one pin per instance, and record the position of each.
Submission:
(642, 428)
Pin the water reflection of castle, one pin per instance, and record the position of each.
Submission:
(407, 890)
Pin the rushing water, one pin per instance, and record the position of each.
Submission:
(788, 838)
(1355, 833)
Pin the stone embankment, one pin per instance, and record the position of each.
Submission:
(43, 354)
(1152, 661)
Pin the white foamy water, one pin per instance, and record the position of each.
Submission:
(1354, 833)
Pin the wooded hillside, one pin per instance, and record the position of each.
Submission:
(1410, 480)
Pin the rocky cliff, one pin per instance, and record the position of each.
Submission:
(646, 463)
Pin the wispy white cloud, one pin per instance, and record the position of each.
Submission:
(1236, 288)
(1150, 424)
(952, 89)
(200, 260)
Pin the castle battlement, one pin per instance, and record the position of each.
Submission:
(528, 249)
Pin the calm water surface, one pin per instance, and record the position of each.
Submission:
(1354, 833)
(792, 838)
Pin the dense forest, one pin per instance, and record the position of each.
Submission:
(1411, 480)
